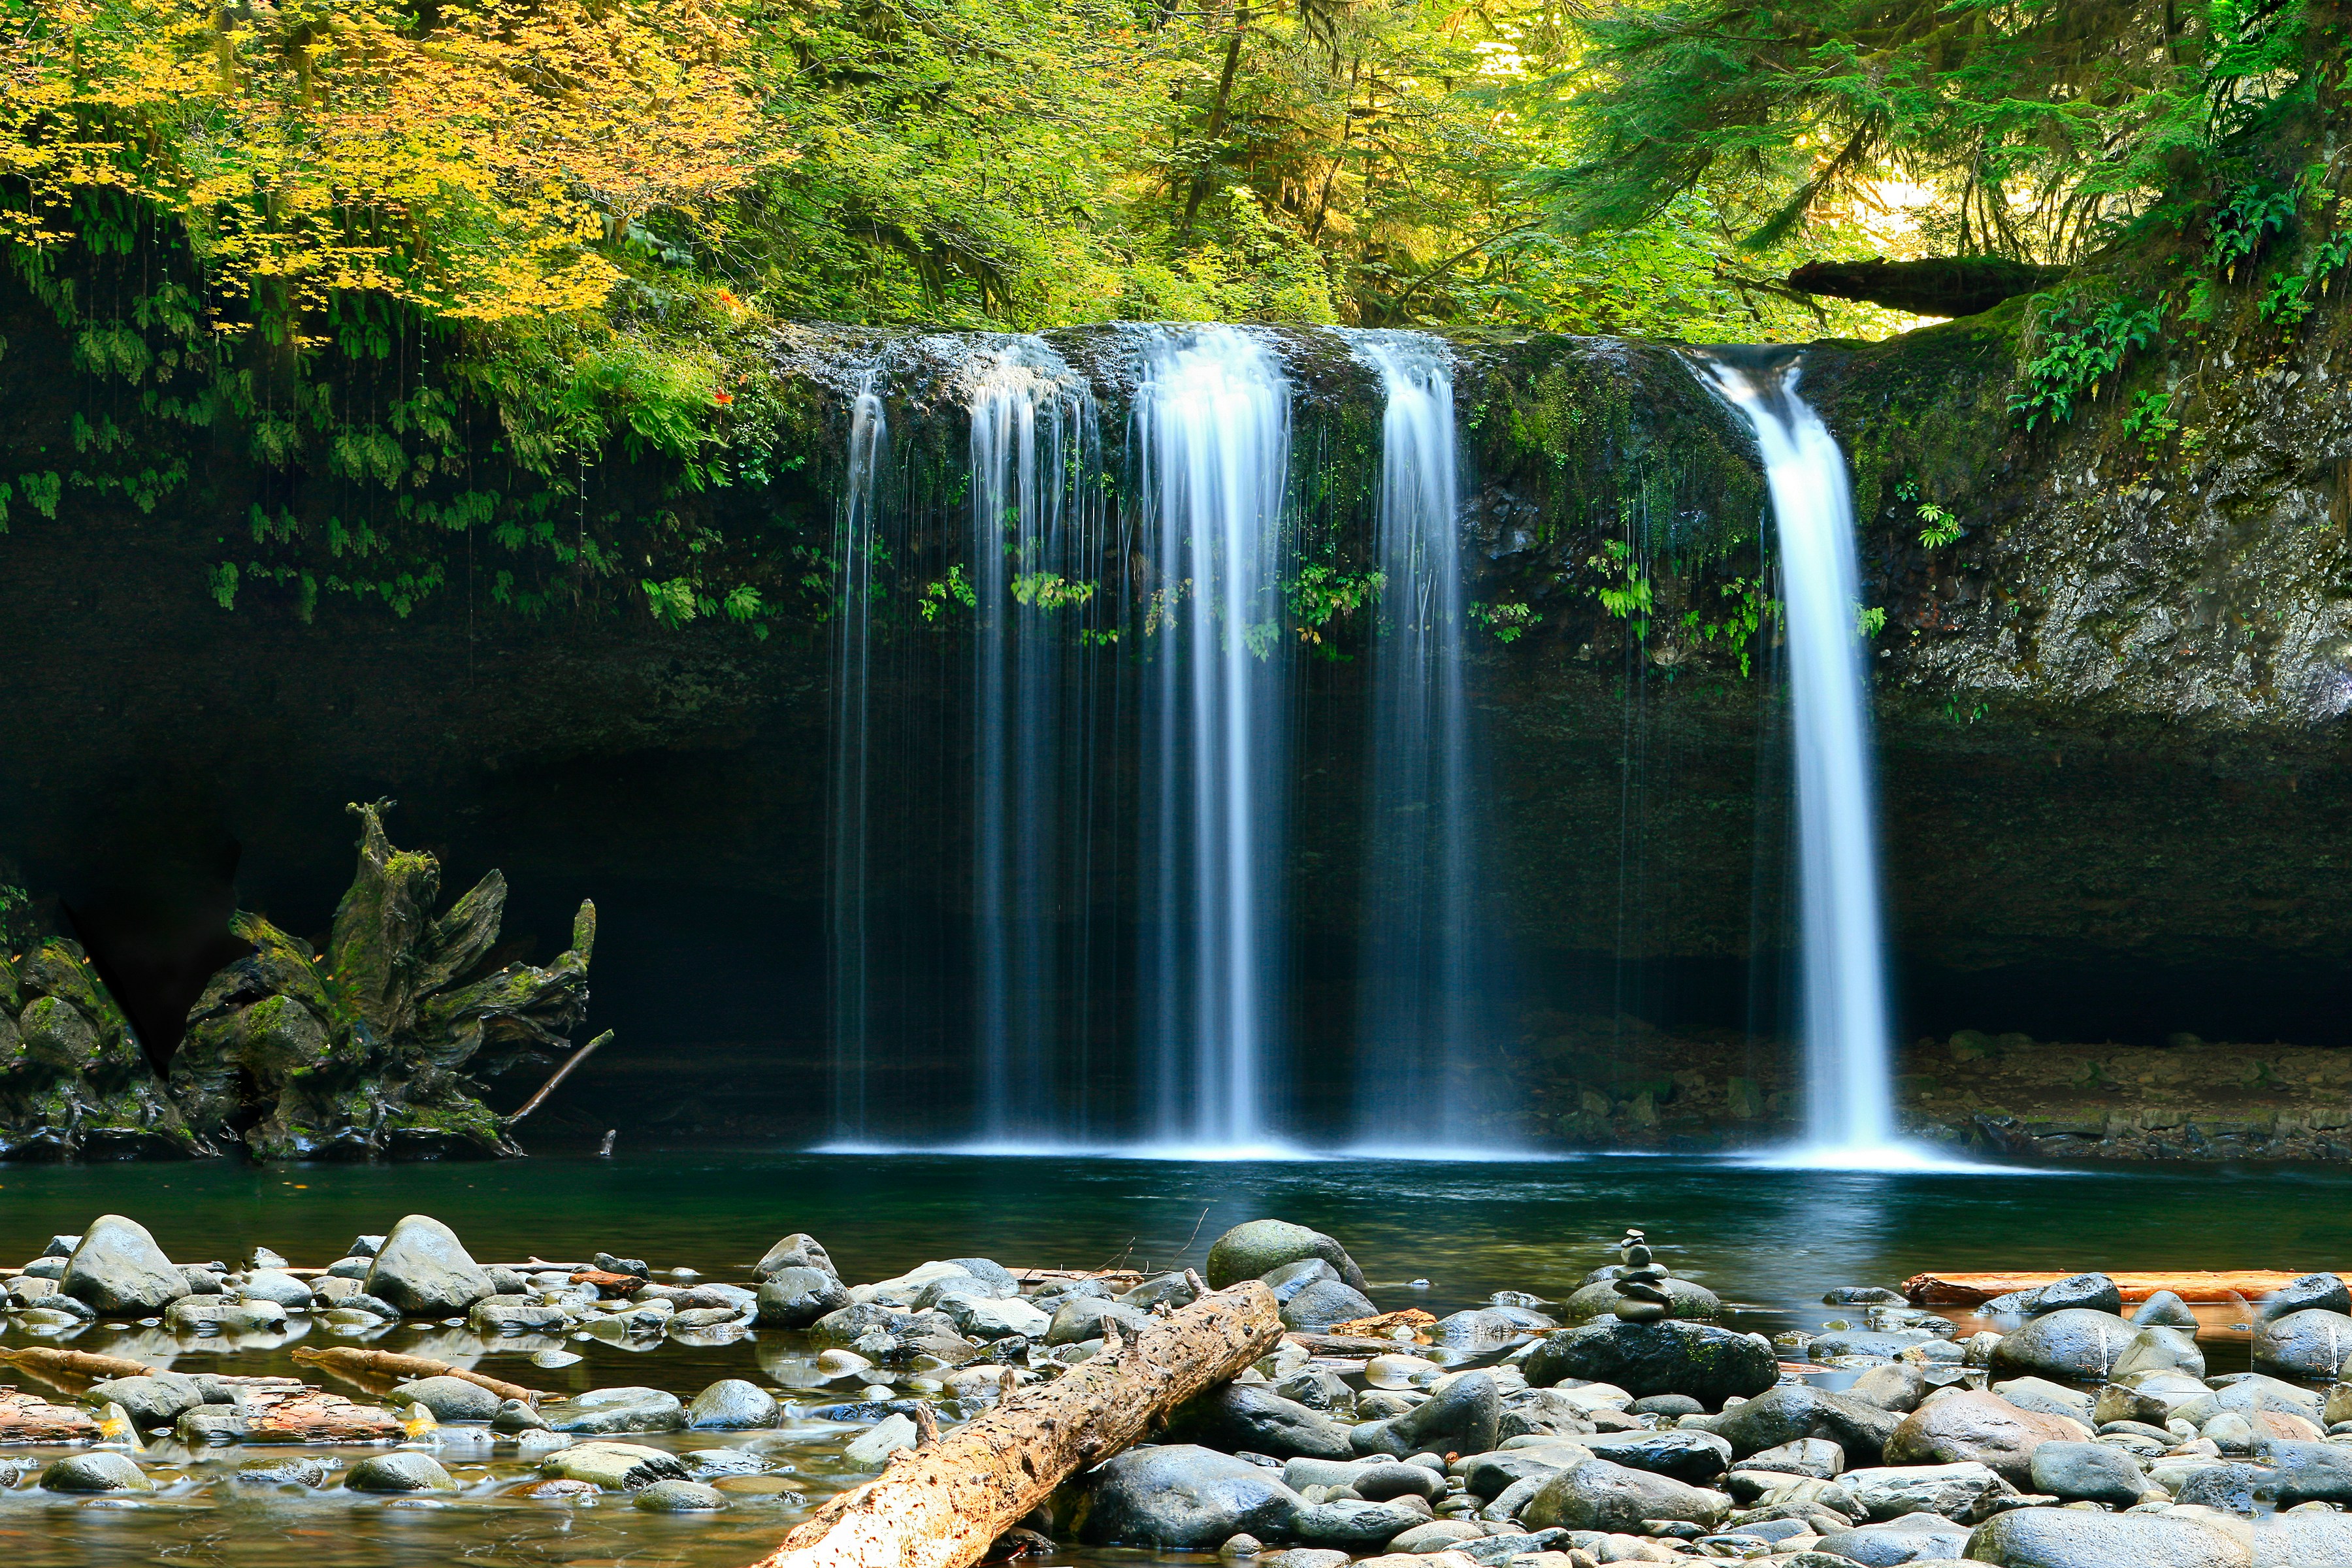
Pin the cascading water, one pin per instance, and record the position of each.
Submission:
(1849, 1090)
(856, 546)
(1037, 540)
(1419, 1013)
(1212, 439)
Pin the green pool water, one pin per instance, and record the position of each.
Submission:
(1769, 1241)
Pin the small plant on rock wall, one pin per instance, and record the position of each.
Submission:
(1937, 527)
(2150, 421)
(1625, 592)
(1321, 594)
(955, 588)
(1745, 607)
(1509, 623)
(2076, 346)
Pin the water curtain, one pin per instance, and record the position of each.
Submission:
(1418, 1013)
(1849, 1090)
(857, 546)
(1037, 538)
(1212, 440)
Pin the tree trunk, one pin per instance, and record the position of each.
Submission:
(1938, 285)
(367, 1367)
(943, 1506)
(1968, 1289)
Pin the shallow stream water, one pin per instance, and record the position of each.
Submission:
(1769, 1241)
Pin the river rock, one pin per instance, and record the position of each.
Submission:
(2152, 1398)
(2155, 1349)
(2304, 1538)
(2228, 1489)
(1858, 1343)
(1898, 1387)
(495, 1317)
(399, 1472)
(2094, 1292)
(795, 1296)
(425, 1271)
(798, 1250)
(1181, 1497)
(2310, 1472)
(99, 1472)
(847, 1325)
(2311, 1343)
(1376, 1481)
(1698, 1458)
(1962, 1491)
(1481, 1326)
(616, 1467)
(1914, 1538)
(1325, 1303)
(2073, 1344)
(150, 1402)
(1785, 1415)
(269, 1285)
(1462, 1417)
(1081, 1319)
(985, 1320)
(604, 1410)
(681, 1497)
(2076, 1538)
(1709, 1363)
(1489, 1475)
(296, 1472)
(1684, 1299)
(119, 1270)
(2086, 1473)
(1814, 1456)
(1436, 1536)
(2324, 1291)
(1982, 1428)
(1355, 1524)
(1253, 1250)
(2051, 1399)
(1598, 1495)
(1542, 1413)
(449, 1398)
(731, 1404)
(2163, 1310)
(1171, 1289)
(1249, 1418)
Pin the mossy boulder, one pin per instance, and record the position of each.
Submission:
(1262, 1246)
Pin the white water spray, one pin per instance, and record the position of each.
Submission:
(1849, 1087)
(855, 545)
(1212, 434)
(1417, 1016)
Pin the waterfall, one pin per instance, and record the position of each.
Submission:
(1212, 439)
(856, 543)
(1848, 1091)
(1036, 519)
(1417, 1016)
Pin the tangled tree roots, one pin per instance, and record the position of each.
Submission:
(379, 1046)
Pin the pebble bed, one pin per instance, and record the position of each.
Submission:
(1629, 1422)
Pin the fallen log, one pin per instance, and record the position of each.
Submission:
(29, 1418)
(2189, 1285)
(1383, 1326)
(945, 1505)
(308, 1415)
(364, 1367)
(49, 1365)
(1112, 1279)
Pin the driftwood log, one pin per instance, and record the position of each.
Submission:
(54, 1365)
(29, 1418)
(944, 1505)
(368, 1368)
(2189, 1285)
(1937, 285)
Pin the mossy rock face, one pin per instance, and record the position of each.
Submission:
(73, 1078)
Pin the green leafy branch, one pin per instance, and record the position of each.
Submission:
(2077, 353)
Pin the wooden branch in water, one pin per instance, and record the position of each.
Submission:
(49, 1365)
(364, 1367)
(573, 1060)
(945, 1505)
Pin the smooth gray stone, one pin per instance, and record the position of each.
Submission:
(1598, 1298)
(2311, 1345)
(1317, 1390)
(1168, 1288)
(1785, 1415)
(1899, 1387)
(203, 1282)
(2088, 1472)
(795, 1296)
(2163, 1310)
(798, 1250)
(731, 1404)
(405, 1471)
(1598, 1495)
(2073, 1344)
(2080, 1538)
(1081, 1319)
(425, 1271)
(681, 1497)
(2310, 1472)
(1291, 1278)
(1181, 1497)
(1490, 1326)
(1709, 1363)
(607, 1410)
(2232, 1489)
(120, 1272)
(1438, 1535)
(303, 1471)
(846, 1325)
(1815, 1457)
(449, 1398)
(1464, 1418)
(1249, 1418)
(1698, 1458)
(1918, 1537)
(1489, 1475)
(99, 1472)
(153, 1401)
(269, 1284)
(1858, 1342)
(1251, 1250)
(1362, 1525)
(1325, 1303)
(1375, 1480)
(2094, 1293)
(2039, 1394)
(1963, 1490)
(2326, 1292)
